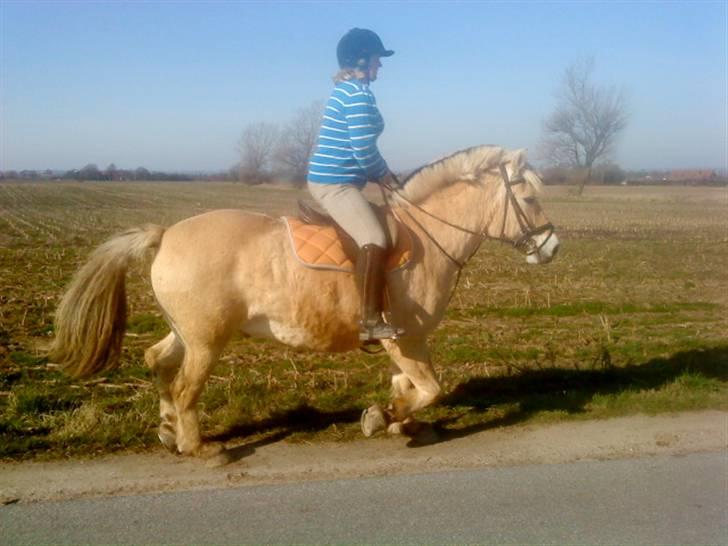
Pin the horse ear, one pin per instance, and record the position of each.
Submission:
(518, 159)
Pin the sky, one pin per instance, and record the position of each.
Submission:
(171, 85)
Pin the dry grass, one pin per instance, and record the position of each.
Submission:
(630, 317)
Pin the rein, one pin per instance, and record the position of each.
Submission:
(525, 243)
(434, 241)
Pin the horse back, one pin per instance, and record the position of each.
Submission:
(231, 270)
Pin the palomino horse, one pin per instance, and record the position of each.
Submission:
(229, 271)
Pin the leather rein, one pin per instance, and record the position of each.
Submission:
(525, 243)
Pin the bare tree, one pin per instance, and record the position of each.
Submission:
(142, 173)
(584, 126)
(90, 172)
(256, 147)
(298, 139)
(111, 172)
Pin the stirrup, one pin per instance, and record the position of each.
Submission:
(380, 330)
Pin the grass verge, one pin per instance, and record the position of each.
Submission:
(631, 318)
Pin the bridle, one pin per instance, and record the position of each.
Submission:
(525, 243)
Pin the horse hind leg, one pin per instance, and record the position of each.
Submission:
(164, 360)
(198, 362)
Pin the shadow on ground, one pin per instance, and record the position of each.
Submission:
(570, 391)
(281, 425)
(527, 393)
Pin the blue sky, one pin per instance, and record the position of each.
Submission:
(171, 85)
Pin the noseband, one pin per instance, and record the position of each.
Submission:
(525, 244)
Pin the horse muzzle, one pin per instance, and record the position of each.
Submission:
(542, 247)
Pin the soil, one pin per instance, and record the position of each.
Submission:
(271, 461)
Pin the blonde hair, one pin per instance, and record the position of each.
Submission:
(346, 74)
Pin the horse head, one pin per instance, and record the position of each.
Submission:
(518, 217)
(498, 199)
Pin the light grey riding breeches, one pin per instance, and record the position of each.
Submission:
(351, 210)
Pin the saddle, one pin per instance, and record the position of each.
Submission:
(319, 243)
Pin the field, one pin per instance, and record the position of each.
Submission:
(631, 317)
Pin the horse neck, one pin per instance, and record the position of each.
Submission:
(424, 291)
(459, 204)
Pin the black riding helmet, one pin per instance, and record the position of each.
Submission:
(357, 46)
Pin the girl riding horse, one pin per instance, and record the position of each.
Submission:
(345, 158)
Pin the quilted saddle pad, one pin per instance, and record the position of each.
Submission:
(322, 247)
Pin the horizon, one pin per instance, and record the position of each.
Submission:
(721, 172)
(207, 172)
(171, 86)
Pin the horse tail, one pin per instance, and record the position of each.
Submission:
(91, 318)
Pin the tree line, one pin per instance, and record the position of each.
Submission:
(578, 138)
(92, 172)
(266, 152)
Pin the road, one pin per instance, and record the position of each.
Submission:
(648, 500)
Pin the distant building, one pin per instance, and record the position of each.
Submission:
(704, 175)
(682, 177)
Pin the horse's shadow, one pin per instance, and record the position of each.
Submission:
(569, 390)
(526, 394)
(280, 426)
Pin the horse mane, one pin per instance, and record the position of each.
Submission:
(467, 165)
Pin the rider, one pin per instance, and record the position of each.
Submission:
(345, 158)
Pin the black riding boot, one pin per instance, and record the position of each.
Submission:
(370, 282)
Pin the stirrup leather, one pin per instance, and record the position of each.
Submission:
(370, 279)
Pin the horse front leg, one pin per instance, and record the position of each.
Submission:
(414, 387)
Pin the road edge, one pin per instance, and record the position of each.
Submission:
(283, 462)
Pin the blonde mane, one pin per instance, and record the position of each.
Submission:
(469, 165)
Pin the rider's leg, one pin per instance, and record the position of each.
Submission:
(370, 283)
(351, 210)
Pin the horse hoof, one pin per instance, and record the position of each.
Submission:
(396, 428)
(373, 420)
(168, 441)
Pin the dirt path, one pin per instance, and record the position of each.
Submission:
(284, 462)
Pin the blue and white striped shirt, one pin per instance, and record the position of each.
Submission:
(347, 150)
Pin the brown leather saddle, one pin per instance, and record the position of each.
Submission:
(318, 242)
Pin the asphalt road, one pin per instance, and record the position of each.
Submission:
(658, 500)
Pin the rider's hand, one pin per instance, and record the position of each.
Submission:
(390, 180)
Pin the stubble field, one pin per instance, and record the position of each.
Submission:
(631, 317)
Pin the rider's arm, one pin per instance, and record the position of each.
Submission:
(390, 180)
(365, 126)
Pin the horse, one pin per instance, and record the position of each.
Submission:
(227, 272)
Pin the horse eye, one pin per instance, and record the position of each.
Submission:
(529, 200)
